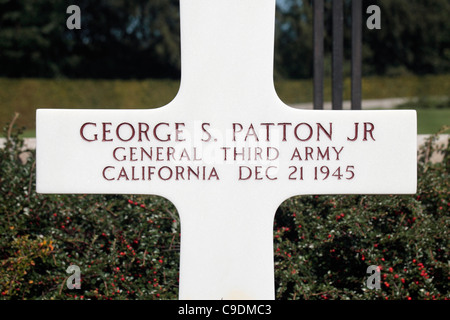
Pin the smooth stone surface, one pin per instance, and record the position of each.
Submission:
(226, 151)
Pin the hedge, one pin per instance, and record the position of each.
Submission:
(127, 246)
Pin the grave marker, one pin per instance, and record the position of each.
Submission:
(226, 151)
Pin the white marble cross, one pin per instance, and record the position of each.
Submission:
(226, 151)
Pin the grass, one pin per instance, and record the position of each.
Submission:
(431, 120)
(26, 95)
(299, 91)
(433, 113)
(29, 133)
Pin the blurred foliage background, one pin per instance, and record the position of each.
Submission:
(136, 39)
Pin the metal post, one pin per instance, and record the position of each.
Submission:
(338, 54)
(356, 53)
(318, 53)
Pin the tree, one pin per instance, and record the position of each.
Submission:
(128, 39)
(141, 38)
(118, 39)
(293, 46)
(30, 41)
(414, 37)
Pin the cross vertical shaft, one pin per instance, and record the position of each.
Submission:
(236, 59)
(227, 250)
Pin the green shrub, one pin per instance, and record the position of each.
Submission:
(324, 244)
(127, 247)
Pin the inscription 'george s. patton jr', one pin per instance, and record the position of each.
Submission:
(303, 131)
(169, 151)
